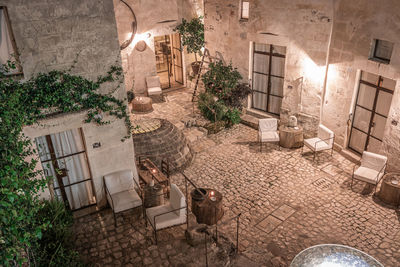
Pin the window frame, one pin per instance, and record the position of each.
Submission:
(374, 49)
(241, 18)
(14, 44)
(271, 53)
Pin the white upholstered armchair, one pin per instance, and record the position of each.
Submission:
(153, 86)
(324, 141)
(268, 131)
(170, 214)
(123, 191)
(371, 170)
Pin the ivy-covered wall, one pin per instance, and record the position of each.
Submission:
(52, 34)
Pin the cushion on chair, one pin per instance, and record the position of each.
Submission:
(367, 175)
(165, 220)
(177, 200)
(310, 143)
(324, 133)
(373, 161)
(268, 125)
(268, 136)
(154, 91)
(153, 81)
(120, 181)
(125, 200)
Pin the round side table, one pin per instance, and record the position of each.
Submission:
(290, 137)
(142, 104)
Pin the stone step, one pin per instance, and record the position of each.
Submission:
(249, 120)
(353, 157)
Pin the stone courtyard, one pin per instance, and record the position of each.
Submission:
(287, 203)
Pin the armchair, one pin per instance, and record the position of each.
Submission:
(371, 170)
(324, 141)
(153, 86)
(268, 131)
(171, 214)
(123, 191)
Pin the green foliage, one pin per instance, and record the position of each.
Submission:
(232, 116)
(24, 103)
(220, 79)
(192, 33)
(210, 108)
(55, 248)
(224, 94)
(234, 98)
(131, 96)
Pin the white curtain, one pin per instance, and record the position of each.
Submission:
(6, 47)
(67, 143)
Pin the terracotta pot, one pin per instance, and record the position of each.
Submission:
(196, 67)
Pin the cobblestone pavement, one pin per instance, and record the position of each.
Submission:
(287, 202)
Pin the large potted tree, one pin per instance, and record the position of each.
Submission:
(192, 33)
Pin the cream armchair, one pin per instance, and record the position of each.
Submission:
(268, 131)
(153, 86)
(123, 191)
(324, 141)
(371, 170)
(171, 214)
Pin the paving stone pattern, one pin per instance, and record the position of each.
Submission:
(287, 202)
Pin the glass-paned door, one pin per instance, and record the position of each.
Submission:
(63, 157)
(370, 112)
(268, 77)
(177, 57)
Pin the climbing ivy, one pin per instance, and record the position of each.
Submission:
(25, 102)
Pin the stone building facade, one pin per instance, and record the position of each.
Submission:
(49, 35)
(154, 18)
(335, 33)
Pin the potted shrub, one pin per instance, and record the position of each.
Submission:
(192, 33)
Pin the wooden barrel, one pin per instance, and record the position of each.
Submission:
(153, 196)
(208, 210)
(390, 189)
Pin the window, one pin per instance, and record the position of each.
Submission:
(268, 77)
(8, 48)
(244, 10)
(381, 51)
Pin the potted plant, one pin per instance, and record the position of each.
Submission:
(192, 33)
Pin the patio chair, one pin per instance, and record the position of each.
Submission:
(170, 214)
(268, 131)
(123, 191)
(324, 141)
(371, 170)
(154, 87)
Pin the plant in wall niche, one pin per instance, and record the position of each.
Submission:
(224, 96)
(192, 33)
(24, 103)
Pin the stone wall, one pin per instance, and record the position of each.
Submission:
(138, 65)
(49, 35)
(303, 27)
(356, 24)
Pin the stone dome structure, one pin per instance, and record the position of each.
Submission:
(159, 139)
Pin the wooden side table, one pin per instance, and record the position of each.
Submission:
(142, 104)
(390, 189)
(290, 137)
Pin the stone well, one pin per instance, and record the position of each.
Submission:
(159, 139)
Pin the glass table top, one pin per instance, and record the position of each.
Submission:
(332, 255)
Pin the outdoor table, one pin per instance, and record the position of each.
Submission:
(142, 104)
(390, 189)
(333, 255)
(290, 137)
(153, 195)
(148, 172)
(207, 209)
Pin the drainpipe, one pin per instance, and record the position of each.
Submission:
(321, 111)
